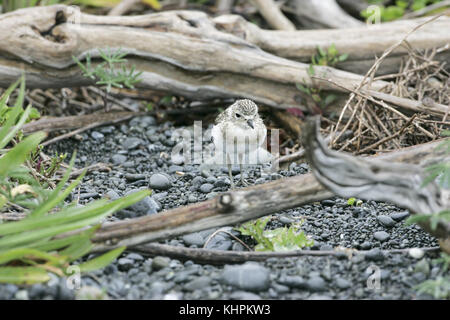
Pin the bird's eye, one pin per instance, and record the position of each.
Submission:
(238, 115)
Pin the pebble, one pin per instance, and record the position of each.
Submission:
(381, 236)
(206, 187)
(146, 206)
(118, 159)
(386, 221)
(160, 262)
(374, 255)
(416, 253)
(422, 266)
(125, 264)
(342, 283)
(97, 135)
(113, 195)
(316, 284)
(244, 295)
(131, 143)
(198, 283)
(195, 239)
(160, 181)
(399, 216)
(220, 241)
(249, 276)
(366, 245)
(292, 281)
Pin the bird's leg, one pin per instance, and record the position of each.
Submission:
(230, 174)
(243, 182)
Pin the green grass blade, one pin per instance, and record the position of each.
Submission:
(23, 275)
(57, 244)
(17, 155)
(66, 215)
(5, 133)
(27, 238)
(78, 249)
(57, 196)
(19, 253)
(6, 95)
(101, 261)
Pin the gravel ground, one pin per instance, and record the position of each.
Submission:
(137, 150)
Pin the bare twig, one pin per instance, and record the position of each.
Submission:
(273, 15)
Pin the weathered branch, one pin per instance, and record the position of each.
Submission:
(273, 15)
(187, 53)
(324, 14)
(398, 183)
(221, 256)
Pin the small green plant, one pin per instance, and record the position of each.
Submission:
(444, 259)
(112, 72)
(107, 73)
(280, 239)
(432, 218)
(30, 248)
(396, 11)
(329, 57)
(354, 201)
(438, 288)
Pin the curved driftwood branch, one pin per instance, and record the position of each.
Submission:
(324, 14)
(179, 52)
(398, 183)
(362, 43)
(185, 52)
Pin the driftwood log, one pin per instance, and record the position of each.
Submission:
(236, 206)
(323, 14)
(381, 180)
(190, 54)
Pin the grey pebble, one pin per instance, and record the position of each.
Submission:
(381, 236)
(160, 181)
(193, 239)
(386, 221)
(249, 276)
(206, 187)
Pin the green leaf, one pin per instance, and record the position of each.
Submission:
(17, 155)
(322, 53)
(343, 57)
(78, 249)
(19, 253)
(332, 51)
(23, 275)
(101, 261)
(57, 196)
(303, 88)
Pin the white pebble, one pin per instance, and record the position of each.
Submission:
(416, 253)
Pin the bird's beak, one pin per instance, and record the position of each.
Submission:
(250, 123)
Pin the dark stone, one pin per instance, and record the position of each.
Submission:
(386, 221)
(399, 216)
(381, 236)
(249, 276)
(160, 181)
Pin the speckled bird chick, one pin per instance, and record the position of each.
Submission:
(238, 137)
